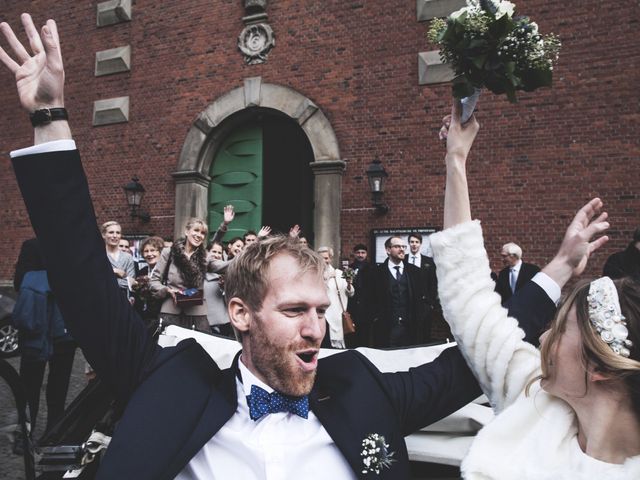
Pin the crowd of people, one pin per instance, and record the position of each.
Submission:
(568, 410)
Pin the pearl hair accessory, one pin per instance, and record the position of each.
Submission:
(606, 317)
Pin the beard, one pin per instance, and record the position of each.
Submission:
(278, 366)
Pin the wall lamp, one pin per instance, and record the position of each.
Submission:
(377, 176)
(134, 192)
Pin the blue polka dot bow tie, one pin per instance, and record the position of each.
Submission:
(262, 403)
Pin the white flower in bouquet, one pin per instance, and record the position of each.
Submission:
(488, 48)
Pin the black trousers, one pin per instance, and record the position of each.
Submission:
(32, 375)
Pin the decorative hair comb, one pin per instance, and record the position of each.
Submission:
(606, 317)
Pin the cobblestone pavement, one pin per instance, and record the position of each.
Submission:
(11, 466)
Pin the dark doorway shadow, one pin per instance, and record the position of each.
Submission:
(288, 179)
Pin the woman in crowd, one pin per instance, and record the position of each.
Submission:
(148, 306)
(121, 261)
(179, 279)
(572, 409)
(214, 293)
(234, 247)
(339, 291)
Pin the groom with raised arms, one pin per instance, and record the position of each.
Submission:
(278, 412)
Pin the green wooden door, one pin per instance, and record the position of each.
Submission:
(236, 179)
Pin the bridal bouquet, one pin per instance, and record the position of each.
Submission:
(348, 274)
(487, 46)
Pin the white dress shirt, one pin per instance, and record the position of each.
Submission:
(415, 259)
(278, 446)
(392, 268)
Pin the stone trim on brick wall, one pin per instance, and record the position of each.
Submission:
(431, 70)
(111, 110)
(428, 9)
(114, 60)
(112, 12)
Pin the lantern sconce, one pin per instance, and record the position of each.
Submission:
(377, 176)
(134, 192)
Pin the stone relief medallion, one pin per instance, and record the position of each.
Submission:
(255, 41)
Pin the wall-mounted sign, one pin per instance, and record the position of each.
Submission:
(380, 235)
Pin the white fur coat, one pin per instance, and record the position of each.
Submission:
(532, 437)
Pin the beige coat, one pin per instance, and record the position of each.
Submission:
(174, 280)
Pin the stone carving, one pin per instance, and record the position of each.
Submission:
(255, 42)
(252, 5)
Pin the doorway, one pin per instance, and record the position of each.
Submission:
(263, 168)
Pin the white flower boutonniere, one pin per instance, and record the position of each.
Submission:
(375, 454)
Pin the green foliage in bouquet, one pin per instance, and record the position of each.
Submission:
(488, 47)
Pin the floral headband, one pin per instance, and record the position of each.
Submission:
(606, 317)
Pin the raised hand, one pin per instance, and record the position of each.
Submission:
(228, 214)
(459, 136)
(577, 244)
(40, 75)
(457, 208)
(264, 231)
(294, 232)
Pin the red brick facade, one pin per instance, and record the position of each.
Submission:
(533, 165)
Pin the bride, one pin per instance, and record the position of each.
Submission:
(570, 410)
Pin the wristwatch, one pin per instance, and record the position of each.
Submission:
(47, 115)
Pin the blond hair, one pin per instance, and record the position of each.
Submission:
(595, 351)
(105, 226)
(247, 276)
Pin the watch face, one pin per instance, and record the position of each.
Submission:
(41, 117)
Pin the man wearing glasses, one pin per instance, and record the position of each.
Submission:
(398, 301)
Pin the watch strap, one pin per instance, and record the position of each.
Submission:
(45, 116)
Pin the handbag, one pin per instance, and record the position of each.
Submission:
(348, 326)
(192, 297)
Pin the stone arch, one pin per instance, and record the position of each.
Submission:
(234, 108)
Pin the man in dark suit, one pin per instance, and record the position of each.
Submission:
(358, 304)
(516, 272)
(429, 280)
(398, 300)
(277, 408)
(625, 263)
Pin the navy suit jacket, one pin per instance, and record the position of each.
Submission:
(175, 399)
(527, 272)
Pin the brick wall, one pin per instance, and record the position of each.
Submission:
(533, 165)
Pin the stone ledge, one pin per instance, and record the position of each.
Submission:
(114, 60)
(111, 110)
(112, 12)
(428, 9)
(431, 70)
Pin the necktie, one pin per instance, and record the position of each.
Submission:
(397, 267)
(262, 403)
(512, 280)
(414, 260)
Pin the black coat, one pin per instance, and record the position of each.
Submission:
(380, 304)
(175, 399)
(623, 264)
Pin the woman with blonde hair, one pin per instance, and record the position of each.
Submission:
(572, 409)
(179, 279)
(121, 262)
(339, 290)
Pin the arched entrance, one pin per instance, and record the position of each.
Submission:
(241, 107)
(263, 169)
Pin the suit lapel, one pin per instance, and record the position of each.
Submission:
(220, 407)
(345, 424)
(342, 427)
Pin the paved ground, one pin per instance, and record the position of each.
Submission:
(11, 466)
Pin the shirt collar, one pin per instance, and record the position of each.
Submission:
(392, 268)
(516, 267)
(249, 379)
